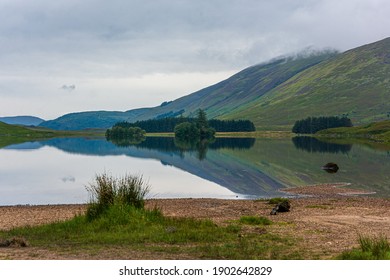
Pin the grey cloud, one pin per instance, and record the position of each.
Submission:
(96, 39)
(172, 35)
(68, 88)
(68, 178)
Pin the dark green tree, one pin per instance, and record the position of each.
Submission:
(202, 124)
(187, 131)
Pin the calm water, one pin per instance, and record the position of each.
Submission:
(56, 171)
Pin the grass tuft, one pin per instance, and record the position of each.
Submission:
(371, 248)
(107, 191)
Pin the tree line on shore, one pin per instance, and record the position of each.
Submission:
(169, 124)
(312, 125)
(188, 135)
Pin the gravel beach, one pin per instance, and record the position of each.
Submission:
(327, 219)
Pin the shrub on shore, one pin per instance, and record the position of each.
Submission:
(107, 191)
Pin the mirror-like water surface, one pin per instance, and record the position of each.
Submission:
(56, 171)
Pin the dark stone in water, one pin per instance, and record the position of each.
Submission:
(330, 167)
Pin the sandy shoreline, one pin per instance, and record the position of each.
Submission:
(327, 221)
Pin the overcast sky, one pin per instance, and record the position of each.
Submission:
(65, 56)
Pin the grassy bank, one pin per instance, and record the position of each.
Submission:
(378, 131)
(13, 134)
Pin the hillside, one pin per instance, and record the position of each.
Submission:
(22, 120)
(217, 100)
(274, 95)
(355, 83)
(8, 130)
(91, 120)
(240, 89)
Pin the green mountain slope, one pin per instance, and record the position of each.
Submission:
(91, 120)
(274, 95)
(241, 88)
(355, 83)
(218, 100)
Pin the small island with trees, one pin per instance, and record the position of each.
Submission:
(199, 129)
(168, 124)
(124, 136)
(184, 128)
(190, 134)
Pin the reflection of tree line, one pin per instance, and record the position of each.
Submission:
(170, 144)
(314, 145)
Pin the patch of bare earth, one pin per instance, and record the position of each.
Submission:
(325, 222)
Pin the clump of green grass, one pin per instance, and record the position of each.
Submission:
(371, 248)
(253, 220)
(107, 191)
(277, 200)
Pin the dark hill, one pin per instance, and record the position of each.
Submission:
(22, 120)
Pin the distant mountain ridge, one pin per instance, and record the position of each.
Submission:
(274, 95)
(92, 119)
(22, 120)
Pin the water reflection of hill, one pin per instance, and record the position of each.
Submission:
(254, 167)
(217, 167)
(313, 145)
(361, 166)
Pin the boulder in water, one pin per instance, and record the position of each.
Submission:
(330, 167)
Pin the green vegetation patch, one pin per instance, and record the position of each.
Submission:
(107, 191)
(379, 131)
(14, 134)
(371, 248)
(253, 220)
